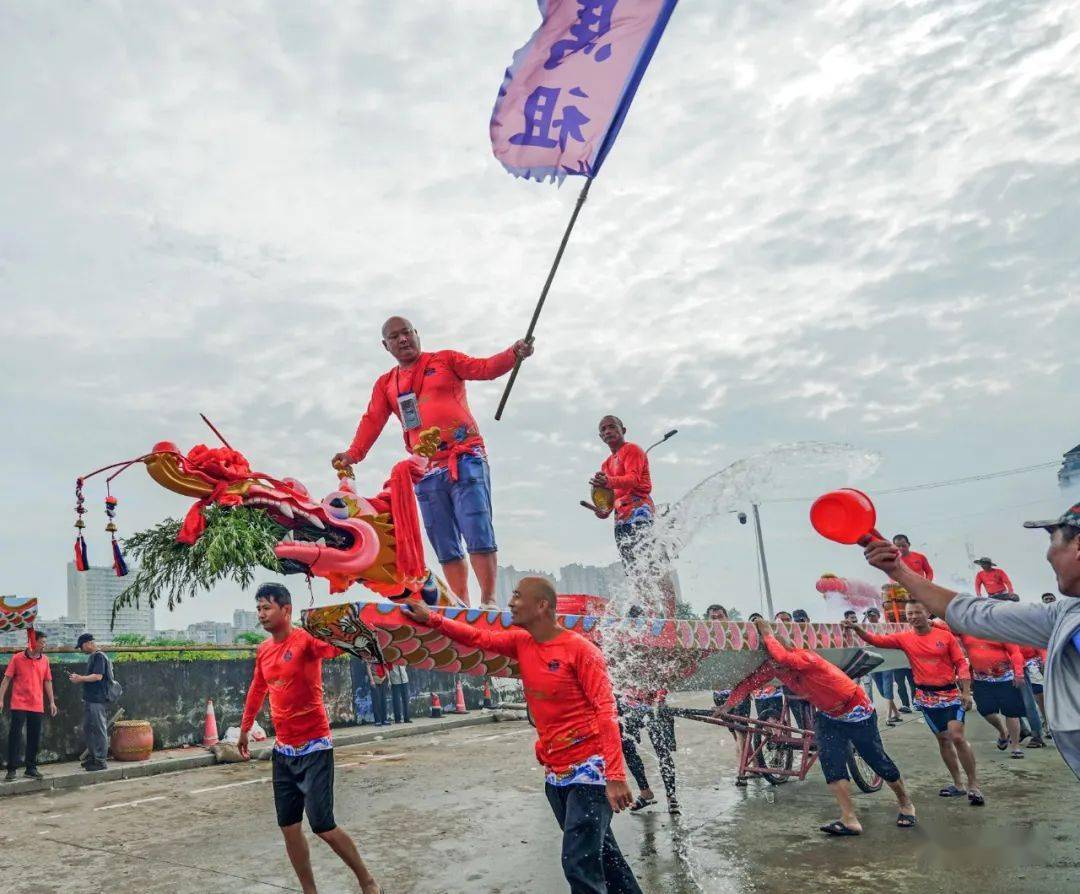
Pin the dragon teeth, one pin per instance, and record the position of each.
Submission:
(288, 538)
(285, 509)
(321, 541)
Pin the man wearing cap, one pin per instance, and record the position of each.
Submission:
(1052, 626)
(994, 580)
(95, 702)
(30, 680)
(427, 390)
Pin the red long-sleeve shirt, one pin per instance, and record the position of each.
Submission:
(918, 563)
(809, 676)
(1030, 653)
(990, 659)
(995, 581)
(291, 672)
(439, 380)
(567, 689)
(936, 658)
(627, 471)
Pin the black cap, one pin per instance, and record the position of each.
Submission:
(84, 638)
(1070, 516)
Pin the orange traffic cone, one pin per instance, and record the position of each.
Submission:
(459, 701)
(487, 693)
(436, 705)
(210, 736)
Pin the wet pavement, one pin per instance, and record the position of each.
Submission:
(463, 811)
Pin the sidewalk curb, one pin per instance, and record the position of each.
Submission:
(342, 737)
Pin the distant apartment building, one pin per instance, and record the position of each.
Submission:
(245, 621)
(90, 596)
(508, 579)
(598, 580)
(220, 633)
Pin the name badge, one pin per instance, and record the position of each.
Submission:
(410, 410)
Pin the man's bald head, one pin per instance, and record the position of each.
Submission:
(533, 602)
(401, 339)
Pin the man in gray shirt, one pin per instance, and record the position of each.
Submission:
(95, 686)
(1054, 626)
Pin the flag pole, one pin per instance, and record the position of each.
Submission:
(584, 194)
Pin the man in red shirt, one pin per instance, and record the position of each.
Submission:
(425, 390)
(942, 690)
(845, 715)
(30, 679)
(569, 695)
(917, 562)
(626, 472)
(288, 666)
(994, 580)
(997, 673)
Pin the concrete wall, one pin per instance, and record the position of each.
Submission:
(172, 696)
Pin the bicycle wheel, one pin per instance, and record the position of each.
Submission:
(769, 754)
(865, 778)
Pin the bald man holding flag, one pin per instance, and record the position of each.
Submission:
(425, 390)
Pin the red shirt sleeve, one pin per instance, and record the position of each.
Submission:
(48, 669)
(1008, 583)
(762, 675)
(979, 584)
(635, 464)
(926, 567)
(883, 640)
(959, 660)
(10, 672)
(255, 697)
(796, 660)
(466, 367)
(322, 649)
(502, 642)
(595, 683)
(371, 423)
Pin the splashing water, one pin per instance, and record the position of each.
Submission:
(774, 474)
(792, 469)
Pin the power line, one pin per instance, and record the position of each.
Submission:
(931, 485)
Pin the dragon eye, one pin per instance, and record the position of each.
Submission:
(338, 507)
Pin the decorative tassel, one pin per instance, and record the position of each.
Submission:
(81, 563)
(119, 565)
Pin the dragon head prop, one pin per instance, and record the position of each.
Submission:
(343, 537)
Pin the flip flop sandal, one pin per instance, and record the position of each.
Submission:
(891, 722)
(952, 791)
(838, 828)
(641, 803)
(1018, 755)
(1036, 743)
(1002, 744)
(976, 799)
(906, 820)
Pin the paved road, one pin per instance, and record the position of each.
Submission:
(463, 811)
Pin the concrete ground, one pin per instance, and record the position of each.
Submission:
(463, 811)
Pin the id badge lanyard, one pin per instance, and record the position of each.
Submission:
(408, 401)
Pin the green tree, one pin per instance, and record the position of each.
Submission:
(129, 639)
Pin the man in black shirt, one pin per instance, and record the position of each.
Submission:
(95, 686)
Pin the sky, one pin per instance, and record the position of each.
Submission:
(834, 222)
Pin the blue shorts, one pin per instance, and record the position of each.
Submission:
(938, 718)
(458, 510)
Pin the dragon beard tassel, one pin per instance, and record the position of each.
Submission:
(81, 563)
(119, 565)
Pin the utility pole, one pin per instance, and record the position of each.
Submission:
(761, 558)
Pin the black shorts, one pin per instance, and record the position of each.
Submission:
(305, 784)
(833, 737)
(938, 719)
(998, 698)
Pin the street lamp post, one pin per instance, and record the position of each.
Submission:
(761, 558)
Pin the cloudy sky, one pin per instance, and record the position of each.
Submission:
(848, 221)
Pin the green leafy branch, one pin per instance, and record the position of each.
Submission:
(236, 542)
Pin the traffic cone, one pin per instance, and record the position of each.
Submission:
(210, 736)
(459, 700)
(436, 705)
(487, 694)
